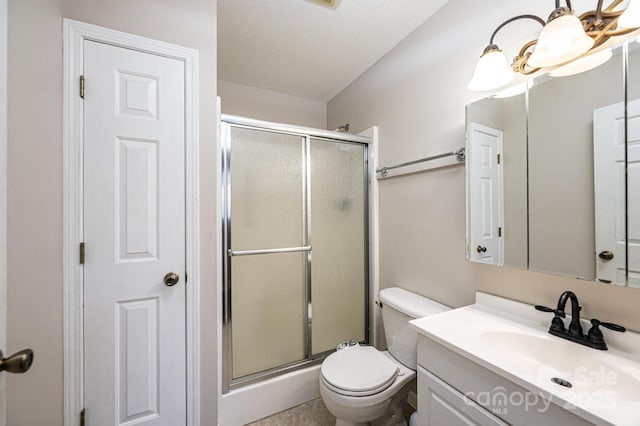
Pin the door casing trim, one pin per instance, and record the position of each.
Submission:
(75, 33)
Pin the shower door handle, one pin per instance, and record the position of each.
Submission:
(268, 251)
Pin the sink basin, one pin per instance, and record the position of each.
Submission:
(510, 339)
(589, 371)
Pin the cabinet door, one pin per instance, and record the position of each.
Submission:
(440, 404)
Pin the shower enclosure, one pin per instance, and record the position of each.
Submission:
(295, 237)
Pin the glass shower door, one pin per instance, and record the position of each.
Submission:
(295, 238)
(339, 237)
(267, 256)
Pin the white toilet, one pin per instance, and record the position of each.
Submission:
(360, 384)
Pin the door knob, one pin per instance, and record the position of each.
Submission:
(606, 255)
(481, 249)
(171, 279)
(20, 362)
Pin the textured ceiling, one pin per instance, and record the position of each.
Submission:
(304, 49)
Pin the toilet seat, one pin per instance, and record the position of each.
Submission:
(358, 371)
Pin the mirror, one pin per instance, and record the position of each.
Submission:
(556, 203)
(498, 127)
(633, 164)
(573, 128)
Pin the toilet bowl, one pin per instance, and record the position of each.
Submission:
(360, 384)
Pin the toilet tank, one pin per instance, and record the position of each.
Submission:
(400, 306)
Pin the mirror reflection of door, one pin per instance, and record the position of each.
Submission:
(609, 185)
(633, 163)
(633, 197)
(486, 187)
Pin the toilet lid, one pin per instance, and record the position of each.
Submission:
(359, 369)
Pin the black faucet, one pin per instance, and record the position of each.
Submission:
(575, 329)
(593, 338)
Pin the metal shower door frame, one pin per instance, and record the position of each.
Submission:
(228, 122)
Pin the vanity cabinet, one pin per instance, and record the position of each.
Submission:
(455, 391)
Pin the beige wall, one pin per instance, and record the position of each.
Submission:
(246, 101)
(35, 181)
(34, 255)
(515, 181)
(417, 94)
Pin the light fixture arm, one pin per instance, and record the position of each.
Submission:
(515, 18)
(599, 10)
(568, 2)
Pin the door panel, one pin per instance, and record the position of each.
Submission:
(487, 243)
(134, 215)
(609, 186)
(267, 189)
(136, 200)
(633, 194)
(267, 306)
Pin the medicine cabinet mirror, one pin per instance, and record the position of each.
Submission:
(553, 174)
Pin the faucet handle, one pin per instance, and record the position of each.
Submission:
(609, 325)
(547, 309)
(557, 325)
(595, 335)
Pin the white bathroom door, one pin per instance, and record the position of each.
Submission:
(134, 234)
(609, 187)
(633, 182)
(485, 170)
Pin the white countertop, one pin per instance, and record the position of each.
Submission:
(511, 339)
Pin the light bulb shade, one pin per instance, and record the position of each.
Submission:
(492, 71)
(586, 63)
(560, 41)
(631, 16)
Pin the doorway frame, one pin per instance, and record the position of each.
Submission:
(74, 35)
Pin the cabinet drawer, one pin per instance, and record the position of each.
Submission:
(439, 404)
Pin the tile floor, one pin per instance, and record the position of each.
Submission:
(312, 413)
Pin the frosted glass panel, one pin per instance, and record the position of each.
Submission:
(266, 189)
(338, 240)
(267, 309)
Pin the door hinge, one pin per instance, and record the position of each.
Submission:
(498, 154)
(83, 417)
(500, 231)
(186, 277)
(82, 253)
(82, 86)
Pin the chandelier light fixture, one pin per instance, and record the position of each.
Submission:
(569, 42)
